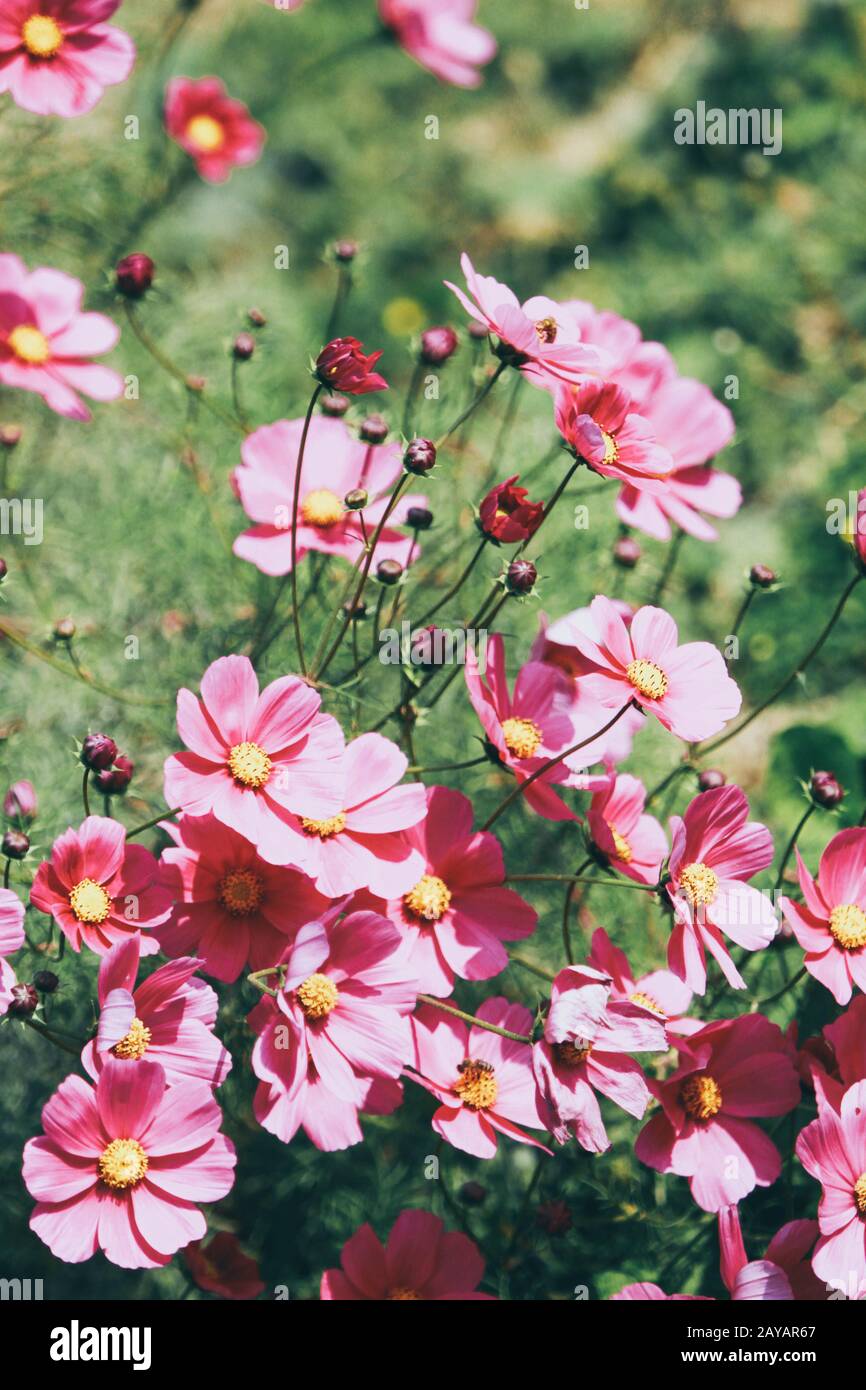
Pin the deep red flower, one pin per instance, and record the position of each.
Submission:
(507, 515)
(343, 366)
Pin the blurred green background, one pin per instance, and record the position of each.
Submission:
(739, 263)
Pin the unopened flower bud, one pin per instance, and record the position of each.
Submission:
(46, 981)
(710, 778)
(762, 576)
(256, 318)
(473, 1193)
(520, 577)
(195, 382)
(10, 436)
(4, 570)
(25, 1001)
(98, 751)
(345, 252)
(374, 430)
(826, 789)
(113, 781)
(477, 330)
(243, 347)
(15, 844)
(64, 630)
(626, 552)
(419, 518)
(389, 571)
(134, 275)
(437, 345)
(334, 405)
(20, 802)
(356, 612)
(420, 456)
(356, 500)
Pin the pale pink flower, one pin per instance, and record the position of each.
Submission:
(660, 991)
(832, 1149)
(483, 1082)
(121, 1167)
(730, 1073)
(598, 421)
(11, 939)
(442, 36)
(421, 1261)
(830, 924)
(46, 342)
(168, 1019)
(714, 849)
(215, 129)
(58, 56)
(632, 842)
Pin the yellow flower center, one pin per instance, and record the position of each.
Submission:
(241, 892)
(648, 679)
(522, 737)
(249, 764)
(205, 133)
(122, 1164)
(701, 1096)
(623, 848)
(646, 1001)
(860, 1194)
(322, 507)
(571, 1054)
(90, 902)
(429, 899)
(402, 1295)
(699, 883)
(134, 1045)
(476, 1085)
(317, 996)
(547, 330)
(325, 828)
(42, 36)
(29, 344)
(848, 926)
(611, 454)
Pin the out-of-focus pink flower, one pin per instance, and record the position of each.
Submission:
(421, 1261)
(441, 35)
(587, 1039)
(660, 991)
(343, 366)
(651, 1293)
(686, 687)
(58, 56)
(730, 1073)
(46, 342)
(19, 803)
(632, 842)
(830, 924)
(121, 1167)
(168, 1019)
(483, 1082)
(99, 889)
(222, 1267)
(715, 848)
(598, 420)
(216, 130)
(507, 515)
(832, 1149)
(11, 939)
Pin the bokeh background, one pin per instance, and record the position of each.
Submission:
(741, 264)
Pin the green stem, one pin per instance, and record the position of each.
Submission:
(791, 843)
(456, 587)
(15, 637)
(84, 796)
(52, 1037)
(296, 498)
(149, 824)
(472, 1019)
(670, 562)
(580, 878)
(447, 767)
(473, 404)
(164, 361)
(771, 998)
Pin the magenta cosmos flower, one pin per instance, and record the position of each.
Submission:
(122, 1165)
(342, 365)
(99, 889)
(11, 939)
(58, 56)
(457, 915)
(783, 1273)
(531, 335)
(660, 991)
(830, 924)
(46, 341)
(598, 421)
(632, 842)
(421, 1261)
(223, 1268)
(715, 848)
(217, 131)
(483, 1082)
(168, 1019)
(587, 1039)
(687, 688)
(441, 36)
(730, 1073)
(364, 844)
(231, 907)
(832, 1149)
(335, 463)
(254, 758)
(651, 1293)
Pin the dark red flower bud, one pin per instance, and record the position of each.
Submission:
(389, 571)
(243, 347)
(762, 576)
(46, 981)
(356, 613)
(4, 570)
(344, 366)
(15, 844)
(477, 330)
(374, 430)
(356, 500)
(256, 318)
(10, 436)
(437, 345)
(520, 577)
(473, 1193)
(826, 789)
(711, 777)
(420, 456)
(334, 405)
(98, 751)
(507, 515)
(134, 275)
(64, 630)
(113, 781)
(626, 552)
(346, 251)
(25, 1001)
(419, 518)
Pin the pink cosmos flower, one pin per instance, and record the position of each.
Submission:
(11, 939)
(99, 889)
(19, 803)
(222, 1267)
(659, 991)
(457, 915)
(585, 1049)
(335, 463)
(58, 56)
(364, 844)
(231, 907)
(484, 1082)
(730, 1072)
(255, 758)
(839, 1052)
(633, 843)
(598, 420)
(832, 1149)
(533, 336)
(715, 848)
(642, 1293)
(441, 36)
(420, 1261)
(169, 1019)
(215, 129)
(688, 421)
(688, 688)
(783, 1273)
(121, 1166)
(46, 341)
(830, 924)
